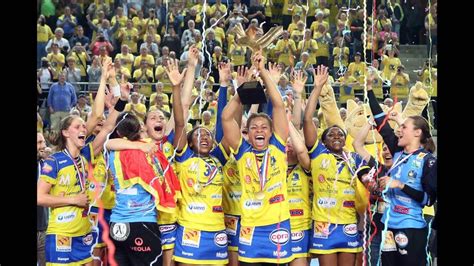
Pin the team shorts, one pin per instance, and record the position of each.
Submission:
(300, 243)
(337, 238)
(66, 250)
(94, 214)
(232, 224)
(168, 235)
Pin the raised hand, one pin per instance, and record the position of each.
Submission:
(193, 56)
(106, 68)
(110, 101)
(258, 60)
(125, 88)
(172, 70)
(242, 75)
(275, 71)
(225, 74)
(320, 76)
(298, 81)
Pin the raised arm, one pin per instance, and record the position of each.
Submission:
(298, 83)
(300, 148)
(309, 129)
(229, 125)
(359, 141)
(385, 130)
(111, 120)
(280, 120)
(176, 79)
(224, 78)
(99, 101)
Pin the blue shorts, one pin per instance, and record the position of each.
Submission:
(94, 214)
(300, 243)
(168, 235)
(69, 250)
(232, 224)
(267, 244)
(200, 247)
(341, 238)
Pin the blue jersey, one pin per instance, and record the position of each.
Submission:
(132, 204)
(414, 171)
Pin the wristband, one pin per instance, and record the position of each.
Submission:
(120, 105)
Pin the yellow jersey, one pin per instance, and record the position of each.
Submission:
(201, 182)
(130, 38)
(166, 99)
(144, 89)
(43, 33)
(341, 56)
(57, 62)
(237, 54)
(299, 197)
(273, 207)
(67, 179)
(126, 60)
(334, 189)
(167, 88)
(283, 46)
(232, 189)
(433, 83)
(106, 181)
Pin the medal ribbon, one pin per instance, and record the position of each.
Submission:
(81, 174)
(262, 170)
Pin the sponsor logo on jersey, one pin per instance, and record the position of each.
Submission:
(401, 209)
(350, 229)
(65, 217)
(220, 239)
(348, 204)
(401, 239)
(296, 212)
(276, 199)
(279, 236)
(196, 207)
(252, 204)
(216, 208)
(167, 228)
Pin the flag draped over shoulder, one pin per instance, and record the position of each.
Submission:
(136, 168)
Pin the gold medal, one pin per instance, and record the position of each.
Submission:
(260, 195)
(197, 187)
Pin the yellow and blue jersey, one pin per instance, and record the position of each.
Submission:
(201, 210)
(59, 171)
(334, 185)
(299, 198)
(274, 207)
(232, 190)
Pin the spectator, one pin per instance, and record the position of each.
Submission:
(341, 57)
(57, 60)
(258, 11)
(237, 54)
(386, 36)
(45, 74)
(308, 45)
(323, 39)
(144, 75)
(103, 54)
(94, 72)
(165, 53)
(307, 67)
(160, 75)
(120, 70)
(135, 107)
(144, 56)
(48, 10)
(285, 50)
(297, 35)
(397, 17)
(78, 53)
(43, 34)
(159, 104)
(378, 87)
(326, 12)
(399, 84)
(235, 18)
(218, 30)
(217, 10)
(283, 85)
(58, 39)
(192, 14)
(294, 23)
(129, 36)
(206, 121)
(189, 34)
(343, 113)
(172, 41)
(73, 74)
(357, 69)
(120, 17)
(151, 31)
(184, 59)
(319, 21)
(99, 42)
(357, 27)
(61, 98)
(342, 32)
(139, 23)
(390, 63)
(82, 107)
(151, 46)
(346, 82)
(125, 57)
(79, 37)
(211, 43)
(105, 29)
(99, 7)
(242, 8)
(152, 20)
(67, 22)
(382, 20)
(159, 92)
(97, 22)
